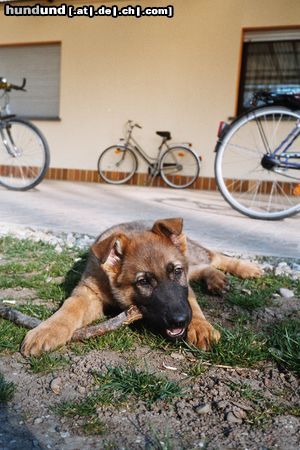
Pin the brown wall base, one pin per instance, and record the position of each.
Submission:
(138, 179)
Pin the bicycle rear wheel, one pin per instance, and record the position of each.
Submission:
(179, 167)
(246, 182)
(24, 155)
(117, 164)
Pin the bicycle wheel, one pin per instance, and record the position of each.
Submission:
(24, 155)
(117, 164)
(179, 167)
(246, 180)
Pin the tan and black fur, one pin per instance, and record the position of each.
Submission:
(150, 267)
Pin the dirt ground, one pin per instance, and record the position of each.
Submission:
(222, 407)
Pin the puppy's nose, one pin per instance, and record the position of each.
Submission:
(180, 320)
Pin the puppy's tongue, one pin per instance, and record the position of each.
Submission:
(175, 331)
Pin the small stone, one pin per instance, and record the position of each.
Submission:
(286, 293)
(246, 291)
(203, 408)
(55, 385)
(242, 406)
(38, 420)
(64, 434)
(81, 389)
(239, 413)
(267, 267)
(222, 404)
(176, 355)
(232, 418)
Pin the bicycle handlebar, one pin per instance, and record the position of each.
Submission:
(9, 86)
(132, 124)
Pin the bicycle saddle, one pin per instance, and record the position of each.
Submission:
(164, 134)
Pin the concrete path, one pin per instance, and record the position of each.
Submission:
(91, 208)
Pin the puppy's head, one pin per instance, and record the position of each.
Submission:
(149, 270)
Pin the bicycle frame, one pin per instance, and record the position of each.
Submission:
(134, 145)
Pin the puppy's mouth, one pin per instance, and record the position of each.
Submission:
(175, 332)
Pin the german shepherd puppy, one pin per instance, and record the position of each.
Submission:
(132, 264)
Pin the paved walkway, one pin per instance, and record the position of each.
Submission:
(91, 208)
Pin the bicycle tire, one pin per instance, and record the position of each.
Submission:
(253, 190)
(18, 170)
(108, 167)
(186, 174)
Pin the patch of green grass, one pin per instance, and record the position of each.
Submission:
(11, 336)
(38, 311)
(94, 426)
(117, 385)
(21, 270)
(82, 408)
(264, 413)
(237, 347)
(284, 343)
(47, 362)
(196, 370)
(139, 384)
(7, 390)
(121, 340)
(265, 409)
(246, 391)
(261, 290)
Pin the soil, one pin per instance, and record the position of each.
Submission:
(211, 414)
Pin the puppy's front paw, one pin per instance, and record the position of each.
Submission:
(246, 269)
(202, 334)
(44, 338)
(216, 281)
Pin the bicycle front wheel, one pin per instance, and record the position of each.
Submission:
(179, 167)
(117, 164)
(24, 155)
(246, 178)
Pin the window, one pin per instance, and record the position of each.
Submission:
(40, 65)
(270, 61)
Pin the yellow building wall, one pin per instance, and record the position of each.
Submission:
(178, 74)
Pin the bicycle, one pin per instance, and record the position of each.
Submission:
(24, 152)
(178, 165)
(257, 158)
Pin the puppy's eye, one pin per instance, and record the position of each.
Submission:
(142, 282)
(178, 271)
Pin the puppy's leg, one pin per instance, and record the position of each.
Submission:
(214, 279)
(200, 332)
(243, 269)
(81, 308)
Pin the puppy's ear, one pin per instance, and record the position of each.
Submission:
(172, 229)
(110, 251)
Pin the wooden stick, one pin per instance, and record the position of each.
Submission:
(125, 318)
(18, 318)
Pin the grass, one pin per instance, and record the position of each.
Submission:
(119, 384)
(239, 347)
(7, 390)
(139, 384)
(246, 391)
(47, 362)
(265, 409)
(257, 293)
(284, 344)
